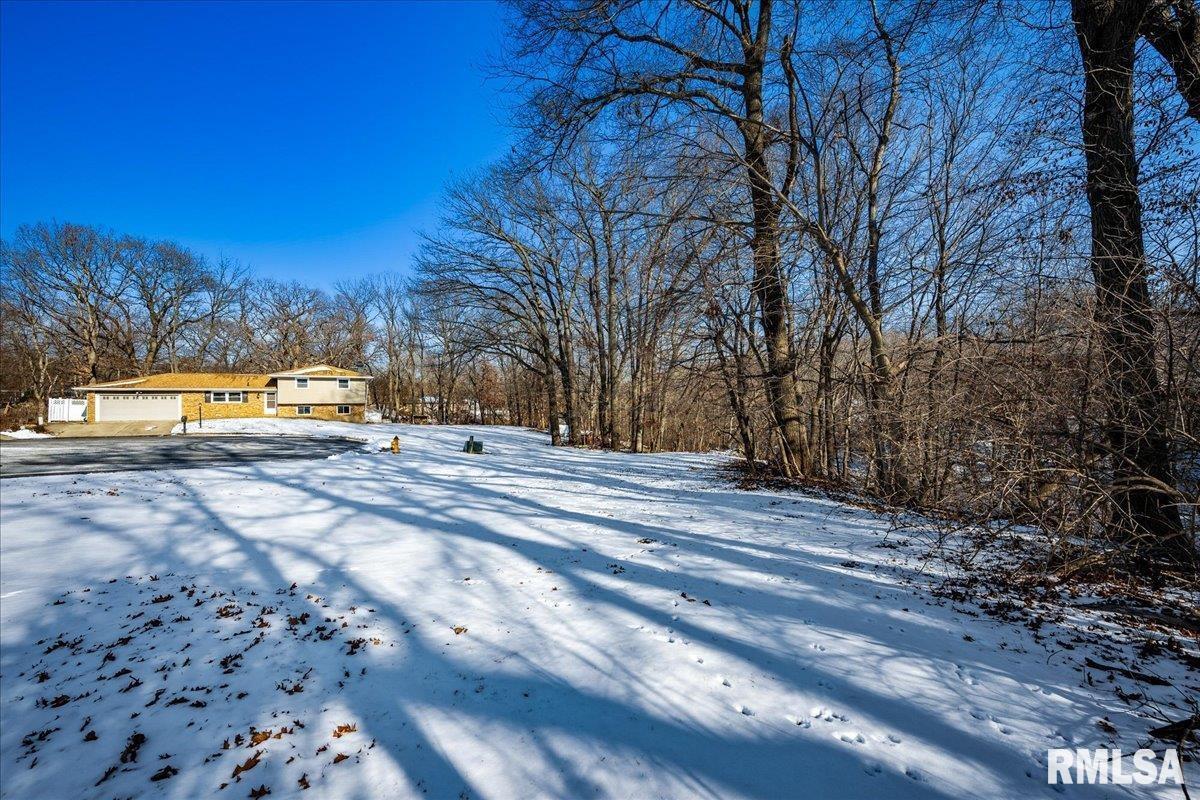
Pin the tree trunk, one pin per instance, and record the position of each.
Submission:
(770, 285)
(551, 404)
(603, 398)
(1143, 482)
(566, 371)
(1173, 28)
(609, 429)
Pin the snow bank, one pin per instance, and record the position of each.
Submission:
(273, 426)
(535, 622)
(26, 433)
(315, 428)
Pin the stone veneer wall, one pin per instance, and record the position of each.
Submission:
(252, 406)
(325, 412)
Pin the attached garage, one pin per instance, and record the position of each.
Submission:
(126, 407)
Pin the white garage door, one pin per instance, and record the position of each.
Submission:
(121, 407)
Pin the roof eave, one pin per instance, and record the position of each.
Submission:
(167, 389)
(320, 377)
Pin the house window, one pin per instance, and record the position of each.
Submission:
(343, 383)
(226, 397)
(343, 409)
(301, 383)
(303, 411)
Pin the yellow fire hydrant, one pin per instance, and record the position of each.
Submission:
(396, 445)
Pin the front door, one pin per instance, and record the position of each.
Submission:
(269, 403)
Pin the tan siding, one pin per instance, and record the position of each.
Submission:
(320, 391)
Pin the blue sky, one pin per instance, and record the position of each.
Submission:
(307, 140)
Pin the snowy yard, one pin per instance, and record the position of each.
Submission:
(529, 622)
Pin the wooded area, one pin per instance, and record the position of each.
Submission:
(943, 253)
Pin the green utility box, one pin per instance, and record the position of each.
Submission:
(473, 446)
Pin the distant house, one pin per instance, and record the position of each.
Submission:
(319, 391)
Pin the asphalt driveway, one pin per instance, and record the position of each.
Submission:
(118, 454)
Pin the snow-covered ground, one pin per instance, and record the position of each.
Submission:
(531, 622)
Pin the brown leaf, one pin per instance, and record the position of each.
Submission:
(342, 730)
(250, 764)
(303, 781)
(258, 737)
(108, 773)
(459, 630)
(340, 757)
(164, 773)
(261, 791)
(132, 745)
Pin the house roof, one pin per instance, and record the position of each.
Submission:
(207, 381)
(318, 371)
(186, 380)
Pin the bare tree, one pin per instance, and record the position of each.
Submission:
(1143, 475)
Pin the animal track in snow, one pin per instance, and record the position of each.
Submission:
(823, 713)
(851, 737)
(964, 675)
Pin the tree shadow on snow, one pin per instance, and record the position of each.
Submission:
(539, 721)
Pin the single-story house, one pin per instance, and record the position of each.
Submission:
(319, 391)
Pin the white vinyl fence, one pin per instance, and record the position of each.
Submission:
(67, 409)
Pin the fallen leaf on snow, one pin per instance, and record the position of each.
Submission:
(249, 764)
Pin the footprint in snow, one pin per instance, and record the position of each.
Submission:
(743, 710)
(964, 675)
(852, 737)
(915, 775)
(725, 682)
(893, 738)
(803, 723)
(818, 647)
(823, 713)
